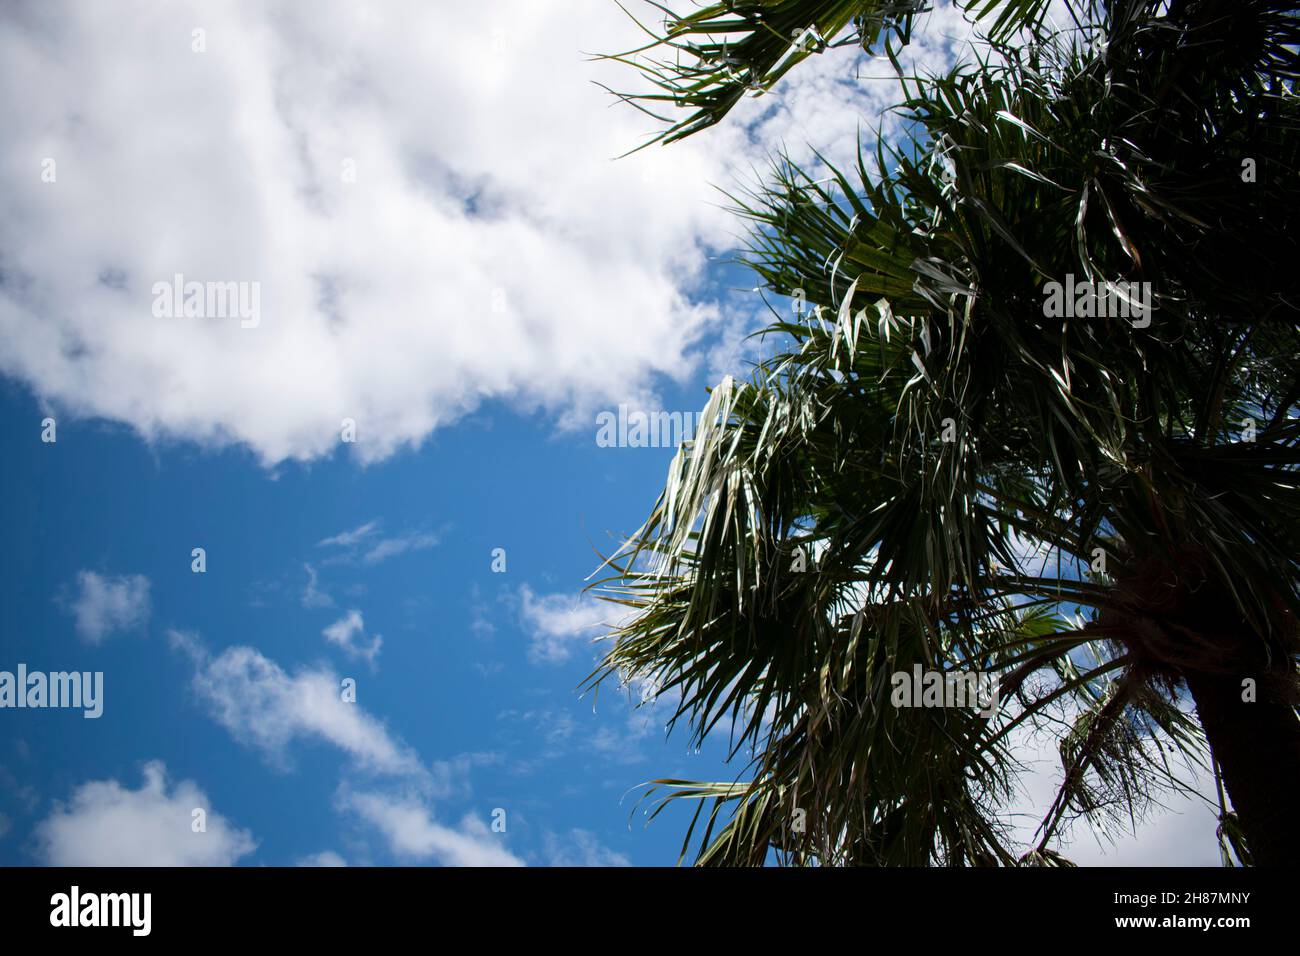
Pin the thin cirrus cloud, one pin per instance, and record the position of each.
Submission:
(391, 547)
(365, 544)
(107, 824)
(107, 604)
(352, 538)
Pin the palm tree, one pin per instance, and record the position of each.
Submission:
(949, 468)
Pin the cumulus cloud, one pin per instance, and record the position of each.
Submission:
(348, 632)
(559, 622)
(107, 604)
(412, 833)
(267, 708)
(425, 196)
(429, 225)
(107, 824)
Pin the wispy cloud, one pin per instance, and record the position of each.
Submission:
(480, 611)
(27, 796)
(348, 632)
(269, 709)
(108, 604)
(412, 833)
(557, 623)
(312, 595)
(349, 539)
(264, 707)
(559, 734)
(579, 848)
(391, 547)
(366, 545)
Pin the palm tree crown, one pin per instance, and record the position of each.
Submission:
(1036, 421)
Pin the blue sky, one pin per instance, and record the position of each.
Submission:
(453, 679)
(419, 207)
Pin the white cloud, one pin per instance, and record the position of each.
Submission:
(391, 547)
(480, 615)
(1181, 834)
(312, 595)
(411, 832)
(323, 858)
(106, 604)
(1179, 831)
(555, 727)
(264, 707)
(479, 254)
(348, 539)
(348, 632)
(737, 349)
(558, 622)
(580, 848)
(106, 824)
(558, 734)
(364, 543)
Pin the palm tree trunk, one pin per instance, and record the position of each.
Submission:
(1257, 744)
